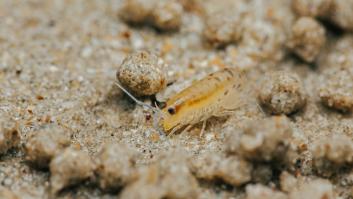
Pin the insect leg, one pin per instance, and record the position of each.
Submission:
(175, 129)
(187, 128)
(225, 112)
(203, 128)
(260, 109)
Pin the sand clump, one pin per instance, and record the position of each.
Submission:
(282, 93)
(260, 191)
(57, 68)
(332, 152)
(223, 27)
(164, 15)
(220, 29)
(167, 15)
(116, 166)
(142, 73)
(170, 177)
(307, 38)
(337, 76)
(287, 182)
(9, 135)
(337, 11)
(264, 142)
(213, 166)
(44, 144)
(7, 194)
(315, 189)
(339, 55)
(337, 89)
(342, 14)
(69, 168)
(303, 187)
(146, 187)
(314, 8)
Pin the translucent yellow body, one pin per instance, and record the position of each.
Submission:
(215, 95)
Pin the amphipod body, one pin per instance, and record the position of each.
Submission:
(215, 95)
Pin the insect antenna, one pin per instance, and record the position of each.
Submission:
(134, 98)
(157, 114)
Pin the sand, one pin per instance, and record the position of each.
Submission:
(58, 63)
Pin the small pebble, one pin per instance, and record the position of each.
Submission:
(312, 8)
(44, 144)
(142, 73)
(282, 93)
(307, 38)
(115, 166)
(337, 89)
(9, 135)
(69, 168)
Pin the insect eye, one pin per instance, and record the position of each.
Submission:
(171, 111)
(148, 117)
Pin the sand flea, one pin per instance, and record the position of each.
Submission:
(217, 94)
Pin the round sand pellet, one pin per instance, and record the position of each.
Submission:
(342, 14)
(115, 166)
(167, 15)
(44, 144)
(282, 93)
(9, 135)
(264, 140)
(68, 168)
(214, 166)
(169, 177)
(307, 38)
(135, 11)
(317, 188)
(332, 152)
(162, 15)
(221, 28)
(313, 8)
(337, 89)
(255, 191)
(142, 73)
